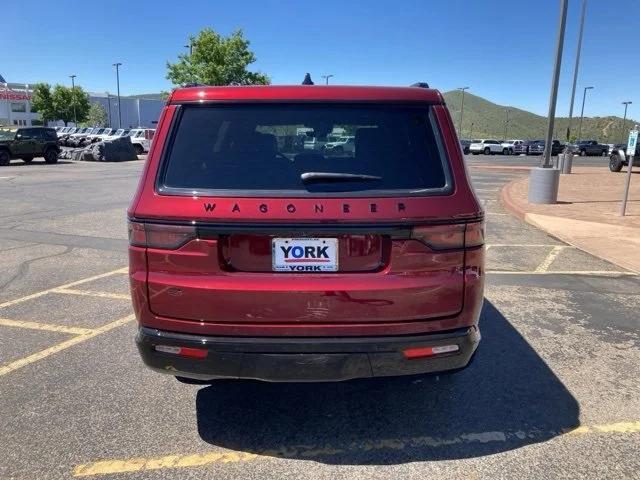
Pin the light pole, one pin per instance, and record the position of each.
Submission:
(326, 78)
(544, 180)
(109, 106)
(584, 96)
(190, 47)
(575, 70)
(506, 124)
(624, 120)
(73, 98)
(462, 89)
(117, 65)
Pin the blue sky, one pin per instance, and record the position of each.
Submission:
(502, 49)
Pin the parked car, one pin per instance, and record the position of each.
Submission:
(102, 134)
(465, 144)
(488, 147)
(248, 263)
(617, 146)
(590, 148)
(535, 147)
(513, 147)
(141, 139)
(341, 145)
(121, 132)
(27, 143)
(313, 143)
(618, 159)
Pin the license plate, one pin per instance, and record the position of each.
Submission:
(304, 255)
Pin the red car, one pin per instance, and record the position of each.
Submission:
(253, 257)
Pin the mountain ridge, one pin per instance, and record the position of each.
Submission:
(485, 119)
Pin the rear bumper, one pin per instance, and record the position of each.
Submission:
(303, 359)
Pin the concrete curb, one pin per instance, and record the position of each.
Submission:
(517, 211)
(500, 167)
(507, 200)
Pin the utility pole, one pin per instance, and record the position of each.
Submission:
(117, 65)
(462, 89)
(624, 120)
(584, 96)
(190, 47)
(575, 70)
(73, 98)
(326, 78)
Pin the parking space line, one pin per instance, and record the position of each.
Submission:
(22, 362)
(612, 273)
(139, 464)
(66, 285)
(548, 260)
(91, 293)
(5, 322)
(532, 245)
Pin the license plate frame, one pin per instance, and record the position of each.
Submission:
(298, 255)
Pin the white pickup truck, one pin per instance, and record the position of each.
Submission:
(488, 147)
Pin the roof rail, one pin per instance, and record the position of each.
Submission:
(420, 85)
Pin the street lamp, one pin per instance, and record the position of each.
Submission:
(190, 47)
(117, 65)
(624, 120)
(462, 89)
(109, 106)
(326, 78)
(575, 70)
(544, 180)
(584, 96)
(73, 98)
(506, 124)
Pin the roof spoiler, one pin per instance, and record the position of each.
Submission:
(420, 85)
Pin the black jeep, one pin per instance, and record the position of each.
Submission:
(27, 143)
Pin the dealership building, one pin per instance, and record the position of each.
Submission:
(15, 108)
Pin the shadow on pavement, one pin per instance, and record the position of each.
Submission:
(506, 399)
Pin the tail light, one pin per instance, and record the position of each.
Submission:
(450, 237)
(166, 237)
(189, 352)
(148, 134)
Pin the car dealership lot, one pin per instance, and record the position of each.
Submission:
(553, 391)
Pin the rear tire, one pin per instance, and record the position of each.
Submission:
(505, 151)
(615, 164)
(5, 158)
(51, 156)
(487, 151)
(138, 149)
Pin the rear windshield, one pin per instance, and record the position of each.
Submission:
(282, 149)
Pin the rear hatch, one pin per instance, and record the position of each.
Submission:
(247, 225)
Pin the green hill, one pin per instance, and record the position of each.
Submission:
(484, 119)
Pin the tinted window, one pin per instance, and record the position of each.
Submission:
(257, 148)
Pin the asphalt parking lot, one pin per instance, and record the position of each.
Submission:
(552, 393)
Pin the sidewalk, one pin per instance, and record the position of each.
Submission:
(586, 215)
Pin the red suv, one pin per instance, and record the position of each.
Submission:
(255, 256)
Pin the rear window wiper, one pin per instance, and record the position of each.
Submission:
(308, 177)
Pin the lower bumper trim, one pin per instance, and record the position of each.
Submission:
(304, 359)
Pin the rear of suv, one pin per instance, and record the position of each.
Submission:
(250, 258)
